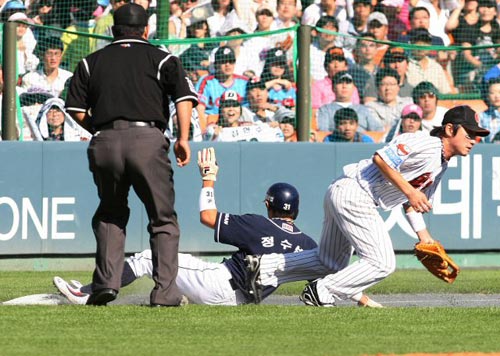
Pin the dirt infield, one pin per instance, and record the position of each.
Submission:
(387, 300)
(410, 300)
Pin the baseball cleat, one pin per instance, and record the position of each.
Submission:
(310, 296)
(72, 291)
(367, 302)
(253, 287)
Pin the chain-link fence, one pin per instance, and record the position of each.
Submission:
(289, 76)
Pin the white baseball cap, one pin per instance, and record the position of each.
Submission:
(393, 3)
(379, 16)
(20, 16)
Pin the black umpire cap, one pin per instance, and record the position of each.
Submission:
(131, 15)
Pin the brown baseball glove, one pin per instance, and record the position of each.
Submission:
(436, 260)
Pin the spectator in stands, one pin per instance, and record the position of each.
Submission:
(471, 65)
(346, 128)
(54, 124)
(389, 104)
(490, 118)
(241, 51)
(391, 9)
(277, 77)
(461, 23)
(462, 19)
(104, 23)
(355, 26)
(494, 71)
(322, 90)
(180, 19)
(411, 121)
(378, 26)
(343, 87)
(315, 11)
(397, 59)
(265, 18)
(287, 13)
(50, 77)
(221, 8)
(152, 16)
(324, 41)
(26, 60)
(230, 115)
(247, 10)
(438, 16)
(423, 68)
(102, 9)
(10, 8)
(365, 68)
(262, 110)
(232, 127)
(259, 45)
(287, 126)
(420, 18)
(321, 43)
(196, 57)
(78, 46)
(425, 95)
(195, 129)
(211, 87)
(42, 14)
(31, 102)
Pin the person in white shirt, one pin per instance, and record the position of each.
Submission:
(421, 67)
(27, 61)
(50, 77)
(313, 12)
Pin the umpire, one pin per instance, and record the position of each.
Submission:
(121, 94)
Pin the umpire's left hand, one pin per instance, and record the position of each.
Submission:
(182, 152)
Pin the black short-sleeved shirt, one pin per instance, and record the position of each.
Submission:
(256, 235)
(129, 79)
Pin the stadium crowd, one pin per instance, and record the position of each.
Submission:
(382, 60)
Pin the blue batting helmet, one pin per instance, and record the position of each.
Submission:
(283, 198)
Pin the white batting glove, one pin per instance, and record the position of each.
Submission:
(207, 164)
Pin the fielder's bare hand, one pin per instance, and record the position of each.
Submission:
(419, 202)
(182, 152)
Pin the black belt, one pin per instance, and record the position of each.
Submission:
(125, 124)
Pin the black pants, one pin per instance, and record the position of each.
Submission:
(137, 157)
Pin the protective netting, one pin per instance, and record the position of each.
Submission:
(455, 59)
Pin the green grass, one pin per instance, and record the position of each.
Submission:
(249, 330)
(245, 330)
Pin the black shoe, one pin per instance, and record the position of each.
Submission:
(252, 284)
(310, 296)
(102, 296)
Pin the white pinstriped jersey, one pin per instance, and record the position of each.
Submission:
(417, 156)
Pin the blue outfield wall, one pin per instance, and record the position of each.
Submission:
(47, 197)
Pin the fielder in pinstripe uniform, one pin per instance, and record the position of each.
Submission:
(407, 171)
